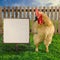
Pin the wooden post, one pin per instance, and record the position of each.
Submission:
(4, 12)
(12, 12)
(59, 21)
(8, 12)
(1, 30)
(20, 12)
(32, 13)
(59, 13)
(28, 10)
(55, 13)
(0, 12)
(16, 12)
(24, 12)
(52, 13)
(16, 47)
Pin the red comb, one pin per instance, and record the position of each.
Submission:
(39, 16)
(37, 12)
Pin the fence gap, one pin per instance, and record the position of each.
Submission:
(48, 11)
(40, 9)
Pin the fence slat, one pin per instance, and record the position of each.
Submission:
(0, 13)
(52, 13)
(8, 12)
(1, 30)
(4, 12)
(0, 16)
(32, 13)
(12, 12)
(20, 12)
(59, 14)
(16, 12)
(59, 21)
(59, 26)
(28, 12)
(24, 12)
(55, 17)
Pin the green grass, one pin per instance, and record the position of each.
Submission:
(27, 51)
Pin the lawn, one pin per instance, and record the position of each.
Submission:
(27, 51)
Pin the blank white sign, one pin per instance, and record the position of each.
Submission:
(16, 31)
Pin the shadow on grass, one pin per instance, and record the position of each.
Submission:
(11, 49)
(21, 49)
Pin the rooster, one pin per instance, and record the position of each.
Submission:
(42, 29)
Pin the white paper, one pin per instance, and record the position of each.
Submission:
(16, 30)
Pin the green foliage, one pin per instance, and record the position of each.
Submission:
(27, 51)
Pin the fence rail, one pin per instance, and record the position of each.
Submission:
(29, 12)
